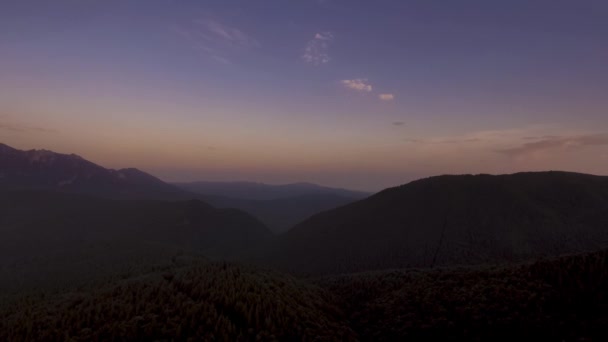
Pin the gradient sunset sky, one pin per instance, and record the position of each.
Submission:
(353, 93)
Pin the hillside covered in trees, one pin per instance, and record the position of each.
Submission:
(194, 301)
(561, 299)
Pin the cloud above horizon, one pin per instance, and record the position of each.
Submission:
(553, 143)
(359, 84)
(386, 97)
(316, 50)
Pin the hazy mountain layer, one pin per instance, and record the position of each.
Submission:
(279, 207)
(280, 215)
(261, 191)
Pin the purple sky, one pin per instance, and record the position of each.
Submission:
(353, 93)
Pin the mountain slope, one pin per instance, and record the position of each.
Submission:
(46, 217)
(46, 170)
(45, 233)
(453, 220)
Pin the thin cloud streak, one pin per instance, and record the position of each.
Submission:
(227, 34)
(551, 143)
(216, 40)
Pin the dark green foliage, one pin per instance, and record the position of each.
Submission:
(564, 299)
(202, 301)
(561, 299)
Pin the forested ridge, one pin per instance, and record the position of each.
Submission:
(211, 301)
(563, 298)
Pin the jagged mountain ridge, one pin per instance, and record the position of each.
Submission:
(47, 170)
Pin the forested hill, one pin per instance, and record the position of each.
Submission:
(449, 220)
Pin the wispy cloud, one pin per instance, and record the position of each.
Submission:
(386, 97)
(398, 123)
(226, 34)
(359, 84)
(530, 143)
(317, 49)
(551, 143)
(442, 141)
(215, 39)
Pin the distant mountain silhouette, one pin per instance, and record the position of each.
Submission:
(264, 192)
(47, 170)
(453, 220)
(280, 207)
(280, 215)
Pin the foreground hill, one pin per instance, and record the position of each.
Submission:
(47, 170)
(453, 220)
(201, 301)
(561, 299)
(45, 232)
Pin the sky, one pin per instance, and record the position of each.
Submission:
(359, 94)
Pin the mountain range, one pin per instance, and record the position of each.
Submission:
(444, 220)
(47, 170)
(88, 253)
(279, 207)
